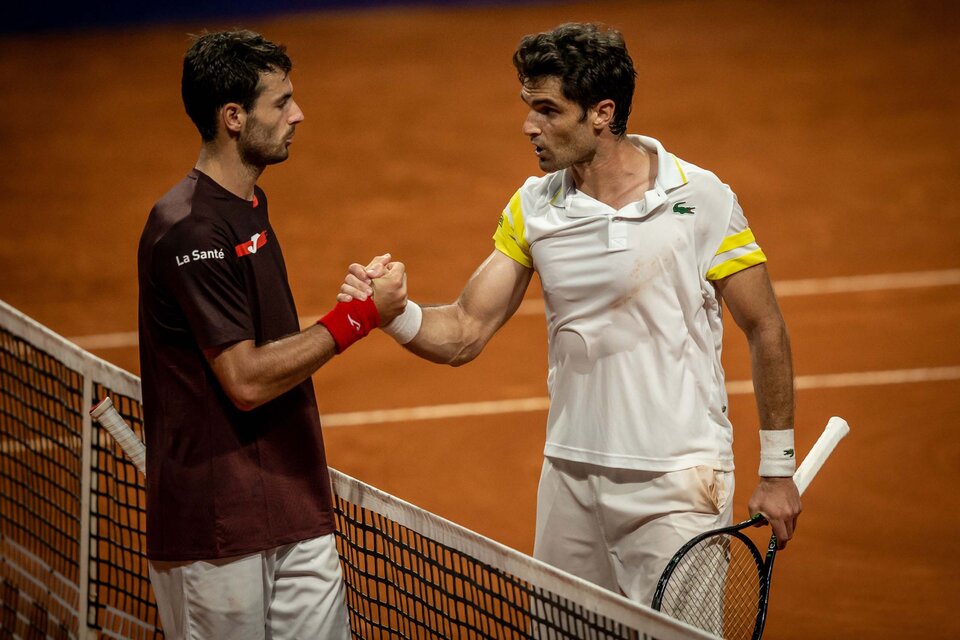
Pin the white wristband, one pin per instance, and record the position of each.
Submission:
(405, 326)
(777, 457)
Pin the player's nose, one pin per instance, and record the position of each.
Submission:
(529, 128)
(296, 114)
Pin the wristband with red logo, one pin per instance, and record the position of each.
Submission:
(349, 321)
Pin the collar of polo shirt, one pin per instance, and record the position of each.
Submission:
(669, 176)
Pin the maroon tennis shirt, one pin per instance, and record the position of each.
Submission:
(221, 482)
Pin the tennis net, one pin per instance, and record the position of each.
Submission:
(72, 543)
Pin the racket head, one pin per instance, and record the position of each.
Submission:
(718, 582)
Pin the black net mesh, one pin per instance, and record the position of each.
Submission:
(40, 487)
(121, 600)
(399, 583)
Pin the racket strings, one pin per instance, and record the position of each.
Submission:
(716, 587)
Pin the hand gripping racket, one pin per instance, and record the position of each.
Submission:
(718, 581)
(110, 419)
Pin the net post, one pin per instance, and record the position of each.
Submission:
(86, 457)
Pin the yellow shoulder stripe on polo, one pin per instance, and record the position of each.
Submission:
(732, 266)
(510, 237)
(736, 241)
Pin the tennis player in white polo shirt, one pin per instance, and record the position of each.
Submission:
(635, 249)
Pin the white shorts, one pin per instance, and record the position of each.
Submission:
(293, 591)
(618, 528)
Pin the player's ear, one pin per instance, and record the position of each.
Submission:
(602, 114)
(232, 117)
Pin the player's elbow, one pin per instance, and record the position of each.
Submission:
(472, 342)
(462, 358)
(454, 357)
(235, 369)
(468, 352)
(474, 336)
(244, 396)
(770, 332)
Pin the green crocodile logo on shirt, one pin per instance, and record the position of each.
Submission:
(679, 208)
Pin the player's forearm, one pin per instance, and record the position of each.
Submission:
(454, 333)
(253, 375)
(447, 335)
(772, 374)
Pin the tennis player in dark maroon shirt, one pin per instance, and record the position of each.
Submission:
(239, 511)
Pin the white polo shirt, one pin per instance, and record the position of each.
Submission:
(633, 322)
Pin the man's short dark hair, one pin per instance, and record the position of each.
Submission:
(225, 67)
(591, 62)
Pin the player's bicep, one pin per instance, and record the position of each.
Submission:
(494, 292)
(750, 298)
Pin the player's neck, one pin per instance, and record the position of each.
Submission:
(225, 167)
(618, 174)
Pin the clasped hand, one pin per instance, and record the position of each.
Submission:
(382, 279)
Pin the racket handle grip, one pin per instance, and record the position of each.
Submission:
(833, 433)
(111, 420)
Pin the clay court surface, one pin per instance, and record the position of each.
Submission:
(836, 124)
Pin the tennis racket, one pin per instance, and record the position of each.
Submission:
(110, 419)
(718, 581)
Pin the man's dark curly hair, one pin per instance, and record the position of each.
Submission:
(591, 62)
(225, 67)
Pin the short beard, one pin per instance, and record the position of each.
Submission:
(258, 155)
(254, 150)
